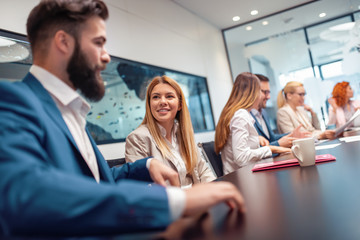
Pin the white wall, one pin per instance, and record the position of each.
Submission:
(157, 32)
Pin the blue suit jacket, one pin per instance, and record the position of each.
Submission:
(47, 188)
(273, 139)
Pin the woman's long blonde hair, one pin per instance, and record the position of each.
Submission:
(245, 91)
(185, 133)
(290, 87)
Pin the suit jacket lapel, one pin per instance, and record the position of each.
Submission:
(259, 127)
(271, 135)
(104, 170)
(55, 114)
(49, 105)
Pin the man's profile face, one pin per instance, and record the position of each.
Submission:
(265, 94)
(89, 59)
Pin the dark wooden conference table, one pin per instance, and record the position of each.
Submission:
(316, 202)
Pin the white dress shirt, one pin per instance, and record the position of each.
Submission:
(177, 160)
(261, 120)
(242, 145)
(74, 109)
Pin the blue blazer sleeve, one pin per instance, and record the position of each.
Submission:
(273, 138)
(45, 187)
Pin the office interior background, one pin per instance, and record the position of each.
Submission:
(211, 41)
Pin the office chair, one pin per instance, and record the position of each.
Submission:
(214, 160)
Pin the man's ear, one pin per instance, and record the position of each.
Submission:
(64, 42)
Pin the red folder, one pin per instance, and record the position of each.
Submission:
(290, 163)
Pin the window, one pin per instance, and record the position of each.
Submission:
(319, 56)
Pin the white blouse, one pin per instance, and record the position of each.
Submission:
(177, 160)
(242, 145)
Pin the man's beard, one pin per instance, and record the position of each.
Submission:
(83, 77)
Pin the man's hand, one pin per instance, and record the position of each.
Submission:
(159, 173)
(263, 141)
(203, 196)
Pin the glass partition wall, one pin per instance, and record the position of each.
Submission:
(318, 55)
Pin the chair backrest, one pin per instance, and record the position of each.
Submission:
(214, 160)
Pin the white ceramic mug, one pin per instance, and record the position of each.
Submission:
(304, 151)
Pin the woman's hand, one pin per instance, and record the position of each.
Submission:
(286, 141)
(327, 134)
(277, 149)
(308, 108)
(298, 133)
(263, 141)
(333, 104)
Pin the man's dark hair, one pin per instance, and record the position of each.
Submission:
(262, 78)
(50, 16)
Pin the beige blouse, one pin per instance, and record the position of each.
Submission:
(288, 120)
(140, 144)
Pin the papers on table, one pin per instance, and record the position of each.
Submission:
(327, 146)
(350, 139)
(341, 129)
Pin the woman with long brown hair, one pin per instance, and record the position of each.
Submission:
(166, 133)
(341, 106)
(235, 136)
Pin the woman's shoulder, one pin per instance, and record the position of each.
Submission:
(241, 115)
(241, 112)
(141, 131)
(284, 109)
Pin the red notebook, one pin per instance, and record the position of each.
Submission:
(290, 163)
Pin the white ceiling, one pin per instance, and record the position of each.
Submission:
(220, 12)
(283, 17)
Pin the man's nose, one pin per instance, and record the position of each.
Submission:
(105, 57)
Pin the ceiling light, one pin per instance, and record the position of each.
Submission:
(236, 18)
(248, 28)
(254, 12)
(343, 27)
(4, 42)
(322, 15)
(265, 23)
(12, 52)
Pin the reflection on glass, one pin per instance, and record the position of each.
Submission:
(15, 57)
(327, 41)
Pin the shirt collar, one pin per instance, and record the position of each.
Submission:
(60, 90)
(256, 112)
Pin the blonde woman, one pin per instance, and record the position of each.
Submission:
(166, 133)
(292, 112)
(235, 136)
